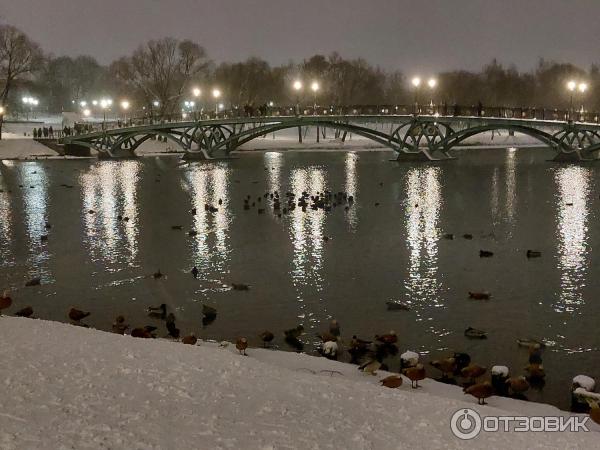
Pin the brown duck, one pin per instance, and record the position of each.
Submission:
(76, 315)
(415, 374)
(480, 391)
(190, 339)
(393, 381)
(242, 344)
(5, 301)
(25, 312)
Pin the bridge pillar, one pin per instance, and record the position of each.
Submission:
(77, 150)
(198, 155)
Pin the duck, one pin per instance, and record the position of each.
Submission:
(534, 254)
(172, 330)
(473, 371)
(447, 366)
(157, 275)
(158, 312)
(192, 233)
(294, 333)
(594, 410)
(485, 254)
(529, 343)
(326, 336)
(334, 328)
(209, 312)
(190, 339)
(388, 339)
(449, 236)
(242, 344)
(518, 385)
(240, 287)
(25, 312)
(77, 315)
(266, 337)
(195, 272)
(141, 333)
(176, 227)
(535, 372)
(415, 374)
(480, 391)
(462, 360)
(397, 306)
(480, 295)
(535, 354)
(371, 366)
(468, 236)
(474, 333)
(5, 301)
(392, 382)
(329, 349)
(34, 282)
(119, 326)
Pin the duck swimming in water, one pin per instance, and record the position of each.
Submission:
(25, 312)
(480, 295)
(474, 333)
(77, 315)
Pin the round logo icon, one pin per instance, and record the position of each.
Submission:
(465, 424)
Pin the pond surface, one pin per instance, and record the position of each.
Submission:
(510, 201)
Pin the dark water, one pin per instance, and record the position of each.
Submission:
(510, 201)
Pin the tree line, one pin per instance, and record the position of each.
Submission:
(161, 74)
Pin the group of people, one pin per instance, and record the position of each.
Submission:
(46, 132)
(250, 110)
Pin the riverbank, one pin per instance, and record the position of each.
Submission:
(71, 387)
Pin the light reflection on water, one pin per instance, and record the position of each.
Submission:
(6, 218)
(108, 191)
(424, 201)
(306, 230)
(206, 185)
(35, 206)
(573, 190)
(351, 188)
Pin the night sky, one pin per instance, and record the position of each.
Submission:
(414, 36)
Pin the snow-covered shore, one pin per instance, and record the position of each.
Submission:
(70, 387)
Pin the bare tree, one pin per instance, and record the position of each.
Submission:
(19, 57)
(161, 70)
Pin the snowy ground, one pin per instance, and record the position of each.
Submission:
(68, 387)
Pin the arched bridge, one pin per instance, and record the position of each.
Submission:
(412, 137)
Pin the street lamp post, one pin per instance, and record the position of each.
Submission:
(125, 106)
(216, 94)
(298, 88)
(197, 93)
(582, 87)
(315, 88)
(416, 82)
(432, 83)
(571, 85)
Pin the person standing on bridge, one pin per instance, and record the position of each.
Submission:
(479, 108)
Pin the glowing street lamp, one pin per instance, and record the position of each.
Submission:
(197, 92)
(125, 105)
(432, 83)
(216, 93)
(571, 86)
(83, 103)
(87, 112)
(416, 82)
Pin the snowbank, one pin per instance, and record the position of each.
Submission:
(69, 387)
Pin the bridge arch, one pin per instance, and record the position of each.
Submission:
(542, 136)
(244, 136)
